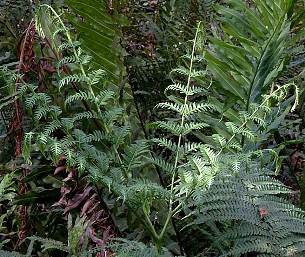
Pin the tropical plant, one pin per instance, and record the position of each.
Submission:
(209, 185)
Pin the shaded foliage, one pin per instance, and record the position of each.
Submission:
(77, 172)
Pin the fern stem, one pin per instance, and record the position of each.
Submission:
(76, 88)
(185, 104)
(172, 212)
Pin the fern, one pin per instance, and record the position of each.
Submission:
(263, 220)
(10, 254)
(76, 233)
(127, 248)
(224, 92)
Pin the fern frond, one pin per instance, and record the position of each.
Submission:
(11, 254)
(112, 115)
(189, 147)
(170, 126)
(254, 245)
(165, 142)
(184, 90)
(126, 248)
(177, 129)
(56, 150)
(209, 154)
(78, 96)
(164, 165)
(133, 154)
(72, 78)
(44, 110)
(81, 136)
(140, 192)
(232, 127)
(66, 60)
(33, 99)
(86, 115)
(27, 146)
(50, 127)
(41, 141)
(120, 135)
(67, 46)
(187, 109)
(48, 243)
(261, 215)
(103, 97)
(181, 70)
(67, 123)
(95, 76)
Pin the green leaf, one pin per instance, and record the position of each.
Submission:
(33, 197)
(99, 34)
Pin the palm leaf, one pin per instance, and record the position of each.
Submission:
(99, 33)
(246, 57)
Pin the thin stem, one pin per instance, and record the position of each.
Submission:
(172, 212)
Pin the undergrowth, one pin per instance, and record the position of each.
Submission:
(205, 184)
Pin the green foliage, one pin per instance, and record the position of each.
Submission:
(99, 33)
(127, 248)
(77, 239)
(207, 180)
(7, 193)
(10, 254)
(253, 215)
